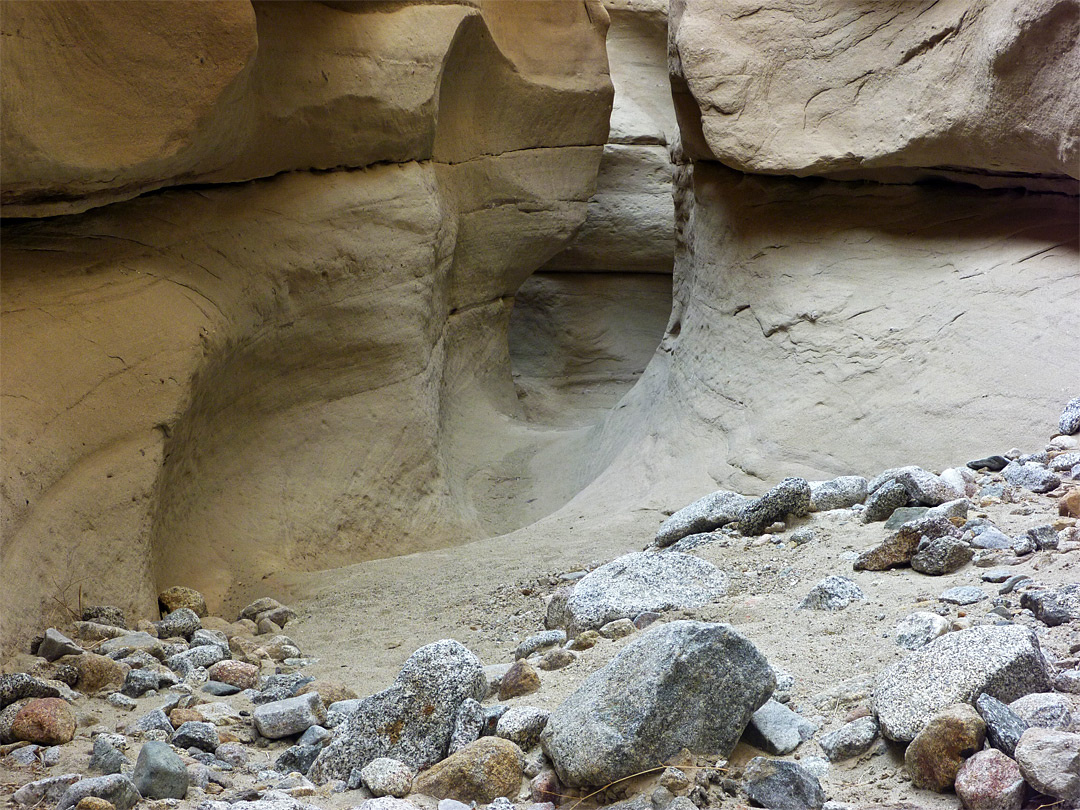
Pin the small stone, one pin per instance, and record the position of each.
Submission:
(850, 740)
(45, 791)
(388, 777)
(481, 772)
(1069, 421)
(468, 725)
(540, 641)
(194, 734)
(520, 679)
(790, 497)
(585, 640)
(620, 628)
(555, 659)
(315, 735)
(195, 657)
(94, 803)
(107, 756)
(646, 618)
(963, 595)
(279, 615)
(140, 681)
(177, 597)
(105, 614)
(1003, 725)
(283, 718)
(45, 721)
(943, 555)
(57, 645)
(259, 606)
(19, 686)
(801, 537)
(839, 493)
(156, 719)
(1044, 710)
(181, 623)
(991, 463)
(233, 753)
(905, 514)
(989, 780)
(919, 629)
(704, 515)
(936, 753)
(1069, 505)
(297, 758)
(219, 689)
(115, 788)
(782, 785)
(121, 701)
(545, 787)
(159, 773)
(1031, 476)
(1064, 462)
(832, 593)
(1044, 537)
(776, 729)
(1053, 607)
(990, 537)
(267, 627)
(881, 503)
(522, 725)
(1068, 681)
(1049, 761)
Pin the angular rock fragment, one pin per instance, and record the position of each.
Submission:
(776, 729)
(832, 593)
(839, 493)
(1050, 762)
(159, 773)
(782, 785)
(850, 740)
(937, 752)
(989, 780)
(1031, 476)
(883, 501)
(1003, 726)
(704, 515)
(790, 497)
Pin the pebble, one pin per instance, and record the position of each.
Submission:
(963, 595)
(121, 701)
(540, 641)
(989, 780)
(916, 630)
(1049, 761)
(991, 463)
(936, 753)
(195, 734)
(850, 740)
(782, 785)
(388, 777)
(1069, 421)
(159, 773)
(114, 788)
(832, 593)
(776, 729)
(522, 725)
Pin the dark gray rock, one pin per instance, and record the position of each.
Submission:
(413, 720)
(140, 681)
(57, 645)
(115, 788)
(180, 623)
(159, 773)
(639, 582)
(839, 493)
(905, 514)
(1003, 661)
(105, 757)
(219, 689)
(832, 593)
(782, 785)
(1003, 725)
(1069, 421)
(105, 614)
(155, 719)
(297, 758)
(942, 555)
(1053, 606)
(703, 515)
(776, 729)
(883, 501)
(678, 685)
(1031, 476)
(315, 735)
(1044, 537)
(850, 740)
(790, 497)
(19, 686)
(991, 463)
(279, 687)
(196, 734)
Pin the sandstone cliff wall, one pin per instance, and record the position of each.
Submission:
(252, 367)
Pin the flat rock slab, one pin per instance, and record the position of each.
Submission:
(1005, 662)
(680, 685)
(640, 582)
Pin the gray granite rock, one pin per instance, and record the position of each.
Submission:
(1044, 710)
(832, 593)
(839, 493)
(782, 785)
(387, 777)
(639, 582)
(1063, 462)
(1069, 421)
(942, 555)
(1049, 761)
(106, 757)
(196, 734)
(539, 641)
(1053, 606)
(57, 645)
(682, 684)
(181, 623)
(963, 595)
(413, 720)
(19, 686)
(468, 725)
(140, 681)
(125, 645)
(201, 656)
(703, 515)
(159, 773)
(883, 501)
(45, 791)
(850, 740)
(298, 758)
(776, 729)
(925, 488)
(522, 725)
(790, 497)
(1003, 661)
(990, 537)
(294, 715)
(1031, 476)
(918, 629)
(1003, 725)
(154, 719)
(115, 788)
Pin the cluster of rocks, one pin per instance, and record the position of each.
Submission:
(225, 717)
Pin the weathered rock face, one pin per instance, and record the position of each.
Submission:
(265, 361)
(967, 90)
